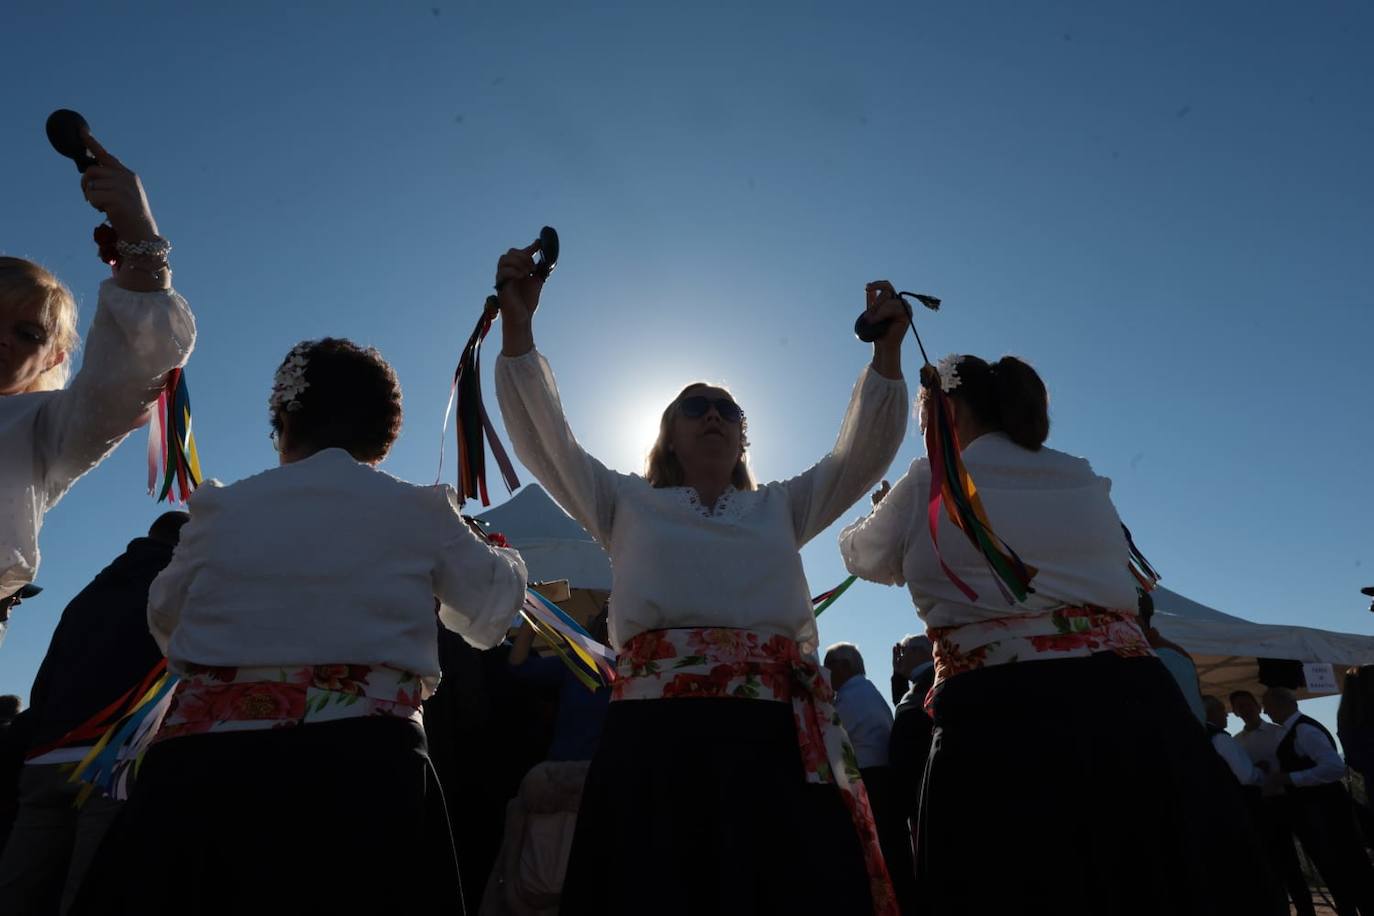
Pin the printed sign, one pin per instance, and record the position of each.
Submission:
(1320, 677)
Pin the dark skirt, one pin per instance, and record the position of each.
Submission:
(696, 806)
(1081, 786)
(342, 816)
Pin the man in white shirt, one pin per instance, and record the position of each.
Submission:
(1242, 767)
(1311, 770)
(1260, 740)
(867, 719)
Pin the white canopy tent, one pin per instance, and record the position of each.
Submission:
(1227, 649)
(554, 547)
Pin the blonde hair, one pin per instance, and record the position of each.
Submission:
(31, 284)
(663, 469)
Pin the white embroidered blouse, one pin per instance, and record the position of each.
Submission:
(51, 438)
(676, 564)
(329, 561)
(1048, 506)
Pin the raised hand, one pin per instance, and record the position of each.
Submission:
(883, 304)
(518, 284)
(112, 187)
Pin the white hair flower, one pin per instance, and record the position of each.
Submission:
(289, 382)
(948, 368)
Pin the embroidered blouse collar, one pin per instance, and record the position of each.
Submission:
(726, 506)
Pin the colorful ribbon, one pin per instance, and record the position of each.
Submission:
(589, 661)
(952, 486)
(172, 453)
(115, 758)
(473, 425)
(1140, 567)
(825, 599)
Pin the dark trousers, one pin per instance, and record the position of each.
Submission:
(894, 833)
(1275, 820)
(53, 842)
(1325, 823)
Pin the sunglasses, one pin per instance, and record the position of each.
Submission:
(697, 406)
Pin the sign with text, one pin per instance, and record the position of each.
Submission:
(1320, 677)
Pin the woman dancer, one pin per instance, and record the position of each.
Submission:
(1075, 780)
(299, 611)
(141, 330)
(721, 777)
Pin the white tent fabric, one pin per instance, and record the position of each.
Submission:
(553, 544)
(1226, 648)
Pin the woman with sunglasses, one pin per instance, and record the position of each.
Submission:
(722, 777)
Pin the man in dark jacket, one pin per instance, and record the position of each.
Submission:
(100, 651)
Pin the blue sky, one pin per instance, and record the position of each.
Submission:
(1165, 207)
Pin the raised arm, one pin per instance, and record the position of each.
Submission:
(870, 435)
(533, 411)
(141, 330)
(873, 547)
(480, 587)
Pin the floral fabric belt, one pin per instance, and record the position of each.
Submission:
(247, 699)
(743, 664)
(1070, 632)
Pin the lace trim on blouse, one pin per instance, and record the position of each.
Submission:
(727, 507)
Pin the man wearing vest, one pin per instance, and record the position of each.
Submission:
(1261, 740)
(1311, 773)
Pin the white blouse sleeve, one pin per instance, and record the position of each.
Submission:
(874, 547)
(167, 594)
(1240, 763)
(1313, 744)
(869, 438)
(544, 443)
(134, 340)
(479, 587)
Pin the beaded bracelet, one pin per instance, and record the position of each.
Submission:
(155, 249)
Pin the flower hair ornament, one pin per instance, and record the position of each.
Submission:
(289, 383)
(948, 370)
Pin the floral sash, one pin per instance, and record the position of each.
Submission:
(1069, 632)
(246, 699)
(743, 664)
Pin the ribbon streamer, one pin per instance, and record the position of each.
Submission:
(590, 662)
(825, 599)
(1140, 567)
(952, 487)
(125, 731)
(172, 452)
(474, 427)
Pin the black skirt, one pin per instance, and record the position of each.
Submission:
(342, 816)
(700, 806)
(1081, 786)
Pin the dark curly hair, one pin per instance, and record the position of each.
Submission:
(352, 400)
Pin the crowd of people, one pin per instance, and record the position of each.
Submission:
(356, 725)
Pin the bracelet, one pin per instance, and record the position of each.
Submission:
(157, 272)
(156, 248)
